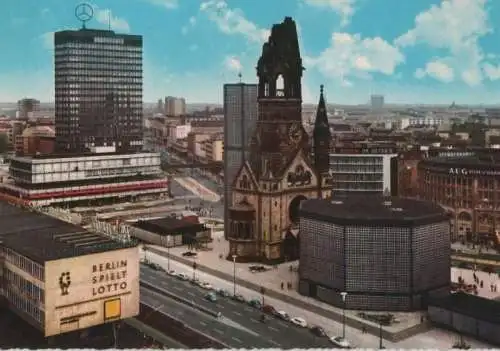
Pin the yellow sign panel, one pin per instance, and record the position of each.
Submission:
(89, 290)
(112, 309)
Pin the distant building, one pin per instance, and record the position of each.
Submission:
(37, 140)
(98, 90)
(175, 106)
(26, 108)
(160, 106)
(240, 118)
(377, 102)
(361, 167)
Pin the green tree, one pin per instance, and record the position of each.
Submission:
(4, 143)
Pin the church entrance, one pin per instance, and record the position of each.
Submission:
(293, 209)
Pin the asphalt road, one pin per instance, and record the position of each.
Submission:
(233, 337)
(279, 333)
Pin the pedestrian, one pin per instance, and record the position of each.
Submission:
(282, 285)
(363, 329)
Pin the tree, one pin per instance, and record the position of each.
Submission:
(4, 143)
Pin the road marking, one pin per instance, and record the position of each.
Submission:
(274, 343)
(219, 331)
(177, 288)
(190, 293)
(254, 320)
(231, 302)
(237, 313)
(237, 340)
(220, 306)
(273, 329)
(248, 309)
(203, 323)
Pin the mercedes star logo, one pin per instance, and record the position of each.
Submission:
(84, 12)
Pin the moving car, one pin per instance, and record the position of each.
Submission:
(340, 342)
(283, 315)
(318, 331)
(189, 254)
(239, 298)
(206, 286)
(269, 310)
(255, 303)
(211, 297)
(256, 269)
(223, 292)
(171, 272)
(182, 276)
(156, 267)
(299, 321)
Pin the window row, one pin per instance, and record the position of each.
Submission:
(24, 263)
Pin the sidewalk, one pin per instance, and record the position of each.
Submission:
(196, 188)
(209, 262)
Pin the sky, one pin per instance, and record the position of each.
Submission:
(411, 51)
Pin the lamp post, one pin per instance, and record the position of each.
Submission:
(168, 253)
(262, 292)
(194, 270)
(234, 275)
(343, 295)
(380, 343)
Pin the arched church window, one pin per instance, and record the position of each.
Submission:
(266, 89)
(280, 86)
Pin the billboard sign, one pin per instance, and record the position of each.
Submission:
(89, 290)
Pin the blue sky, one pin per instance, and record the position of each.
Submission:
(412, 51)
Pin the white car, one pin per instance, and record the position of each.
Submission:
(301, 322)
(207, 286)
(171, 272)
(182, 276)
(283, 315)
(340, 342)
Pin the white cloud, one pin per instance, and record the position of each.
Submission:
(438, 70)
(233, 63)
(168, 4)
(351, 56)
(105, 16)
(455, 26)
(345, 8)
(491, 72)
(192, 22)
(47, 40)
(233, 21)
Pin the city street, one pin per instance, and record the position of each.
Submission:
(202, 322)
(276, 331)
(435, 338)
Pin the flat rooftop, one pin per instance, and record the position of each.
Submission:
(42, 238)
(170, 225)
(372, 208)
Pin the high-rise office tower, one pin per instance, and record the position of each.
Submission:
(240, 118)
(377, 101)
(98, 90)
(175, 106)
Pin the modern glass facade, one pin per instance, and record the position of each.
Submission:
(98, 90)
(380, 267)
(240, 118)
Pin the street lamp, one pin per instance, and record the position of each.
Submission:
(380, 344)
(234, 275)
(343, 295)
(194, 270)
(262, 292)
(168, 253)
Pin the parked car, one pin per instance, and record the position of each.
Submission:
(283, 315)
(269, 310)
(239, 298)
(318, 331)
(189, 254)
(207, 286)
(340, 342)
(299, 321)
(171, 272)
(223, 292)
(156, 267)
(182, 276)
(211, 297)
(255, 303)
(255, 269)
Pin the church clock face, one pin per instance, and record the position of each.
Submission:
(295, 133)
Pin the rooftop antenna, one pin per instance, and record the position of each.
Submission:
(109, 19)
(239, 76)
(84, 13)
